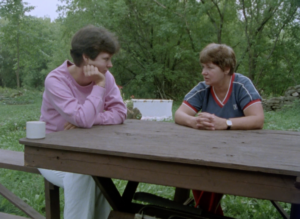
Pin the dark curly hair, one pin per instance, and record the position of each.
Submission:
(91, 40)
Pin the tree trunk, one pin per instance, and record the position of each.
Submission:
(18, 59)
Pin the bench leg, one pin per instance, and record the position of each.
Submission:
(280, 210)
(52, 201)
(19, 203)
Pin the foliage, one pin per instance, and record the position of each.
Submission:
(266, 25)
(26, 46)
(284, 119)
(160, 40)
(248, 208)
(12, 32)
(18, 97)
(32, 190)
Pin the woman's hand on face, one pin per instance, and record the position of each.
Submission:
(93, 72)
(69, 126)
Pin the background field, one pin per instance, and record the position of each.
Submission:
(19, 106)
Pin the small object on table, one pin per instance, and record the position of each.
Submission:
(35, 130)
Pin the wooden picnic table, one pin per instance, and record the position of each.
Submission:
(261, 164)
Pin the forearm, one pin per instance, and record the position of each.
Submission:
(86, 113)
(247, 122)
(111, 117)
(253, 119)
(181, 118)
(77, 113)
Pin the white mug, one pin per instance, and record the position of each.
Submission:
(35, 130)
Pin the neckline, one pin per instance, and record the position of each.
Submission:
(228, 93)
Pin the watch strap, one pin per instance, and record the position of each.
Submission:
(229, 124)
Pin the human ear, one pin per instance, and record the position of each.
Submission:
(85, 59)
(227, 70)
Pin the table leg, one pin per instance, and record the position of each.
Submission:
(111, 193)
(181, 195)
(295, 211)
(129, 191)
(52, 201)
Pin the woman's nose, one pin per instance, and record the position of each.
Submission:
(109, 64)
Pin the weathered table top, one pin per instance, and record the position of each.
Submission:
(263, 151)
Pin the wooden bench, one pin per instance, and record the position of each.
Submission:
(14, 160)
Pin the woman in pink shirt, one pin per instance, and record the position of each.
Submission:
(83, 94)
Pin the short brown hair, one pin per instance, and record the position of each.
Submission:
(91, 40)
(220, 55)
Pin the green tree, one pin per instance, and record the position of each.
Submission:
(37, 50)
(263, 22)
(14, 11)
(27, 45)
(161, 39)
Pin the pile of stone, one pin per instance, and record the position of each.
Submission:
(290, 95)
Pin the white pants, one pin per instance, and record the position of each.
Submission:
(83, 199)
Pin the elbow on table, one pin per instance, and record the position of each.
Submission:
(177, 118)
(260, 123)
(119, 115)
(122, 118)
(181, 119)
(114, 119)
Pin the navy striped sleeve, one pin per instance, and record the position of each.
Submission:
(247, 93)
(194, 99)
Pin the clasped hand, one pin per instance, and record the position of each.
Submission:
(69, 126)
(209, 121)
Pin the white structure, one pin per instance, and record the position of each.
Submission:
(154, 109)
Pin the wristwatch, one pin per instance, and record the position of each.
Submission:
(229, 124)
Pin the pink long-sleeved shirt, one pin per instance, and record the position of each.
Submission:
(64, 100)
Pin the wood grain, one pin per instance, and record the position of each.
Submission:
(259, 150)
(120, 215)
(9, 216)
(14, 160)
(222, 180)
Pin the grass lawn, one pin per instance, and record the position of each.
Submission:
(17, 107)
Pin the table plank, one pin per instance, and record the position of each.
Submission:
(190, 176)
(120, 215)
(256, 150)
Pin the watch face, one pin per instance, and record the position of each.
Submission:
(229, 122)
